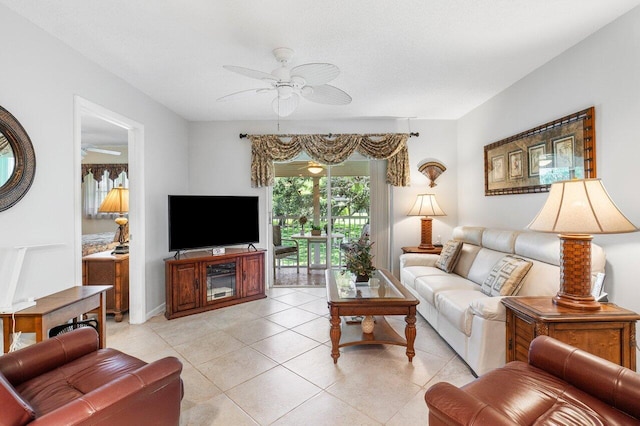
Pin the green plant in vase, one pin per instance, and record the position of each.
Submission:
(302, 220)
(359, 260)
(316, 230)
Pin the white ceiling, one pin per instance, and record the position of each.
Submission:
(433, 59)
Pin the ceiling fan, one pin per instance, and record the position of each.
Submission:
(307, 80)
(90, 148)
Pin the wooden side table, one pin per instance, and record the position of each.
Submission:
(435, 250)
(105, 268)
(609, 333)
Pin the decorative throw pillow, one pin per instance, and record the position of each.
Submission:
(505, 279)
(449, 256)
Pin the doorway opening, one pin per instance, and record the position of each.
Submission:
(332, 202)
(104, 133)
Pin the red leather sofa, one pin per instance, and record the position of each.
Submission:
(67, 380)
(561, 385)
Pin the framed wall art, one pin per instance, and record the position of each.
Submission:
(532, 160)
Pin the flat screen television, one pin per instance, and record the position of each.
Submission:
(203, 221)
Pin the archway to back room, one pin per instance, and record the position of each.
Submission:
(109, 154)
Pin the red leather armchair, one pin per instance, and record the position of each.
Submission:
(561, 385)
(67, 380)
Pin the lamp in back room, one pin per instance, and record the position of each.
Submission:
(117, 201)
(575, 209)
(426, 205)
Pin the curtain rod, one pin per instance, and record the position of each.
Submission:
(329, 135)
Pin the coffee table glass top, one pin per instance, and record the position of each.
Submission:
(378, 286)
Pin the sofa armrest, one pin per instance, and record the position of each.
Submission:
(148, 395)
(490, 308)
(418, 259)
(617, 386)
(449, 405)
(35, 360)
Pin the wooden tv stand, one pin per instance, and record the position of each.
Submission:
(199, 281)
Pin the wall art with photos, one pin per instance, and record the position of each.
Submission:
(532, 160)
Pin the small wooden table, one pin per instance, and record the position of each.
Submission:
(609, 333)
(317, 239)
(416, 249)
(390, 298)
(56, 309)
(105, 268)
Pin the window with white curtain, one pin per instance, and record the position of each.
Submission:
(94, 191)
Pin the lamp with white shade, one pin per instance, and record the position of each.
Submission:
(117, 201)
(426, 206)
(575, 209)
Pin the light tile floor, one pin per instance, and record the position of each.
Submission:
(268, 362)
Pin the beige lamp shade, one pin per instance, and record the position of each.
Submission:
(580, 207)
(117, 201)
(426, 205)
(575, 209)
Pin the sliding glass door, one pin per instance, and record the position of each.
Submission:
(317, 209)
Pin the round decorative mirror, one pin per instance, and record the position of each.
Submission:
(17, 160)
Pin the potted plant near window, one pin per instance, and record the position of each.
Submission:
(302, 220)
(359, 260)
(316, 230)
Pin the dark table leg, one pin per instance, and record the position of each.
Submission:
(410, 332)
(335, 333)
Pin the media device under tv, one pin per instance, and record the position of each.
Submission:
(208, 221)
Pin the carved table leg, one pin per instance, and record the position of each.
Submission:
(410, 333)
(335, 333)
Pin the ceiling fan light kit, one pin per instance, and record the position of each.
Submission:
(289, 84)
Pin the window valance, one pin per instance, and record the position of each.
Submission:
(329, 149)
(99, 169)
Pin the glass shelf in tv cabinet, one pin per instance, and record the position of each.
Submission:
(378, 287)
(221, 281)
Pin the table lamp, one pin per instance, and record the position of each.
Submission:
(426, 205)
(117, 201)
(575, 209)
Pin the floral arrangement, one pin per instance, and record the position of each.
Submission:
(302, 220)
(359, 259)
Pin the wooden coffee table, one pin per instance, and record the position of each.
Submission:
(348, 300)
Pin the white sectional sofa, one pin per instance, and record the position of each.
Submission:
(470, 321)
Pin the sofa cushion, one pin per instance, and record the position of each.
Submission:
(454, 306)
(411, 273)
(77, 378)
(449, 255)
(499, 240)
(15, 410)
(506, 276)
(465, 260)
(428, 287)
(483, 263)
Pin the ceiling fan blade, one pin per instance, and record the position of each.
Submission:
(315, 74)
(327, 94)
(102, 151)
(247, 72)
(244, 94)
(285, 106)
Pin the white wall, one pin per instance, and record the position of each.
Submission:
(603, 71)
(39, 77)
(437, 140)
(220, 164)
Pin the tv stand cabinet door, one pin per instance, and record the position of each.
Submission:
(185, 287)
(253, 275)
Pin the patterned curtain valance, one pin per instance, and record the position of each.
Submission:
(331, 149)
(99, 169)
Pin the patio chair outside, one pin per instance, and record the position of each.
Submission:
(282, 251)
